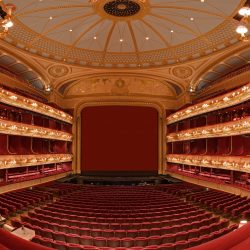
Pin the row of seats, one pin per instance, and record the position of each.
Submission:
(228, 204)
(148, 230)
(127, 243)
(142, 213)
(64, 219)
(138, 241)
(14, 201)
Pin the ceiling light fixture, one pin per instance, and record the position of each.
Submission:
(242, 28)
(6, 12)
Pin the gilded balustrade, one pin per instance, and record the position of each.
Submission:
(13, 161)
(19, 101)
(227, 100)
(15, 128)
(238, 127)
(236, 163)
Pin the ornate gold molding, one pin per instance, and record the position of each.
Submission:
(15, 128)
(236, 163)
(232, 98)
(239, 127)
(19, 101)
(13, 161)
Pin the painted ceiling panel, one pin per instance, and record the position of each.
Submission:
(55, 28)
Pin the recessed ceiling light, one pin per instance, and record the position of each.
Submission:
(70, 30)
(202, 1)
(171, 31)
(191, 18)
(121, 40)
(147, 38)
(95, 37)
(50, 18)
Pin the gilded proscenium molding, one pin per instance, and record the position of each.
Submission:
(230, 99)
(239, 127)
(19, 101)
(15, 128)
(13, 161)
(236, 163)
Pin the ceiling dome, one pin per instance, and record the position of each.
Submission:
(124, 33)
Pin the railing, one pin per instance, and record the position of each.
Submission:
(236, 163)
(220, 102)
(19, 101)
(232, 128)
(15, 128)
(13, 161)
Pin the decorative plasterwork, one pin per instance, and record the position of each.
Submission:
(122, 85)
(182, 72)
(232, 98)
(14, 161)
(19, 101)
(58, 71)
(161, 34)
(236, 163)
(232, 128)
(15, 128)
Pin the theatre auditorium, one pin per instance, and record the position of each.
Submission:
(124, 124)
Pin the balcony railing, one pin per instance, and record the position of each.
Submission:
(13, 161)
(220, 102)
(236, 163)
(238, 127)
(15, 128)
(19, 101)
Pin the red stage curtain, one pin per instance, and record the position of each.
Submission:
(119, 138)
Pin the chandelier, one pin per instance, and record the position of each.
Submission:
(6, 11)
(242, 29)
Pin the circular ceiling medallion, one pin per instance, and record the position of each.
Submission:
(58, 70)
(182, 72)
(122, 8)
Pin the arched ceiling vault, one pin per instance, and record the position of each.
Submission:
(28, 72)
(214, 70)
(124, 34)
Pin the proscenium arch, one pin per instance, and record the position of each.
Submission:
(109, 102)
(150, 75)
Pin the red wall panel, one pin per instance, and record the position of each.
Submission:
(119, 138)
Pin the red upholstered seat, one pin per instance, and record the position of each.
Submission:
(72, 246)
(127, 242)
(181, 236)
(47, 242)
(143, 233)
(113, 242)
(180, 245)
(140, 241)
(100, 242)
(86, 240)
(194, 233)
(152, 247)
(194, 242)
(168, 238)
(167, 246)
(108, 233)
(60, 245)
(47, 233)
(58, 235)
(72, 238)
(133, 233)
(154, 240)
(120, 233)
